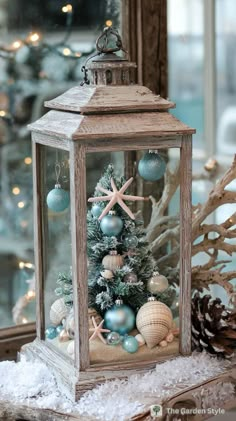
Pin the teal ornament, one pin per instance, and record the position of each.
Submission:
(111, 225)
(130, 344)
(59, 328)
(96, 210)
(113, 338)
(58, 199)
(51, 332)
(130, 241)
(120, 318)
(152, 166)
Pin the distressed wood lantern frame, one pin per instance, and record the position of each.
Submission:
(92, 119)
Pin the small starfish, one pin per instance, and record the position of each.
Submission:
(116, 196)
(98, 330)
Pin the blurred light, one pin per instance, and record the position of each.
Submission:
(2, 113)
(78, 54)
(33, 37)
(20, 205)
(24, 224)
(16, 45)
(21, 265)
(108, 22)
(28, 160)
(16, 191)
(67, 52)
(30, 294)
(24, 320)
(29, 265)
(67, 9)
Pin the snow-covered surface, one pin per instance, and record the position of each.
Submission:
(33, 384)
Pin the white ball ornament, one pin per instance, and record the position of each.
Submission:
(157, 283)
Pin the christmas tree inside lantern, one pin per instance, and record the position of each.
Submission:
(106, 282)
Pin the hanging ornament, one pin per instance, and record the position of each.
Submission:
(130, 344)
(51, 332)
(120, 318)
(98, 330)
(157, 283)
(107, 274)
(152, 166)
(131, 278)
(96, 210)
(113, 261)
(115, 196)
(111, 225)
(113, 338)
(130, 241)
(154, 320)
(58, 199)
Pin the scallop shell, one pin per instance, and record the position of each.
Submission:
(154, 320)
(93, 313)
(58, 311)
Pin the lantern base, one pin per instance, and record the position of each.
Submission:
(73, 383)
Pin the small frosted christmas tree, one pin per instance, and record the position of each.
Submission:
(120, 261)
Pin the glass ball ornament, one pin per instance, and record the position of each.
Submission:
(130, 344)
(111, 225)
(157, 283)
(96, 210)
(120, 318)
(58, 199)
(152, 166)
(131, 278)
(113, 338)
(131, 241)
(51, 332)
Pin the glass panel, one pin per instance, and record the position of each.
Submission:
(226, 84)
(29, 75)
(185, 63)
(133, 266)
(58, 296)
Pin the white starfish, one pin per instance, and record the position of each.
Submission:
(98, 330)
(116, 196)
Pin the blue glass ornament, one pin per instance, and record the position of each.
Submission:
(130, 344)
(113, 338)
(152, 166)
(51, 332)
(59, 328)
(58, 199)
(96, 210)
(111, 225)
(131, 241)
(120, 318)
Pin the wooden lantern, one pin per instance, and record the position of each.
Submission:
(109, 116)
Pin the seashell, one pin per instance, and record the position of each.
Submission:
(140, 339)
(71, 349)
(163, 344)
(58, 311)
(154, 320)
(107, 274)
(113, 261)
(70, 324)
(93, 313)
(170, 337)
(63, 336)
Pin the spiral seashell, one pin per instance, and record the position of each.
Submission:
(58, 311)
(154, 320)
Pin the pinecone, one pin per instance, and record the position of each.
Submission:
(213, 326)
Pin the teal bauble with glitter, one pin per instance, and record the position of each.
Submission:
(130, 344)
(111, 225)
(51, 332)
(120, 318)
(58, 199)
(96, 210)
(152, 166)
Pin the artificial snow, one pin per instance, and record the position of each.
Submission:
(33, 384)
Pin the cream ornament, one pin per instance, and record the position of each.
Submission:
(58, 312)
(113, 261)
(154, 321)
(157, 283)
(107, 274)
(115, 196)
